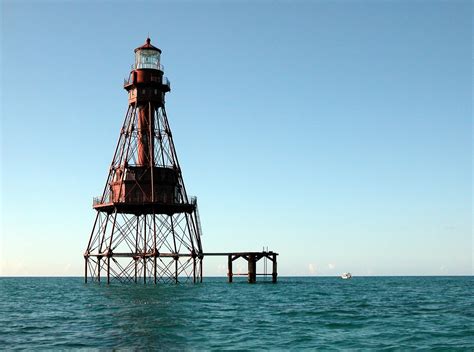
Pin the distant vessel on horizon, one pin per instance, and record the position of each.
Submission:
(346, 276)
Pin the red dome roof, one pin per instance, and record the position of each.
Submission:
(147, 46)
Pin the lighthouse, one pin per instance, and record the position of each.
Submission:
(147, 228)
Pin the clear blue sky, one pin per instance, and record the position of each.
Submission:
(337, 133)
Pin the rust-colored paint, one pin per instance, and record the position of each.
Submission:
(145, 143)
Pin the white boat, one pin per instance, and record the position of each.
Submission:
(346, 276)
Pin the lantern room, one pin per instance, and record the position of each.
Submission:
(147, 57)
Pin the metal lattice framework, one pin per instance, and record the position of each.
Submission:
(147, 228)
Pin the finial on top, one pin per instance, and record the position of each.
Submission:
(148, 40)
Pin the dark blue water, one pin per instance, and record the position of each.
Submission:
(296, 313)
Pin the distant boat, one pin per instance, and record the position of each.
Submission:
(346, 276)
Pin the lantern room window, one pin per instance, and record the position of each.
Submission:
(147, 59)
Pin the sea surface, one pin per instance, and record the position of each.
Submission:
(295, 314)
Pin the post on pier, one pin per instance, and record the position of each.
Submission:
(252, 264)
(229, 267)
(274, 268)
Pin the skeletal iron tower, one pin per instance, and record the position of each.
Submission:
(147, 228)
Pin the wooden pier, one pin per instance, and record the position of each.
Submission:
(252, 258)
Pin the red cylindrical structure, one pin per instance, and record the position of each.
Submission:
(145, 136)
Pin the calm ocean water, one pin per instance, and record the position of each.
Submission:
(296, 313)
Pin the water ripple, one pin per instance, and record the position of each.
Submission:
(297, 313)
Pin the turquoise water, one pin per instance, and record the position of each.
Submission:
(297, 313)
